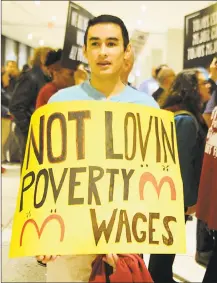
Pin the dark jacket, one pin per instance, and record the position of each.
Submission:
(24, 97)
(156, 95)
(191, 136)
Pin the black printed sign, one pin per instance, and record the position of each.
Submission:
(200, 37)
(77, 21)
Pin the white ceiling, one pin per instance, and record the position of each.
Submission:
(19, 18)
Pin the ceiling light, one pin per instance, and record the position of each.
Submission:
(37, 3)
(139, 22)
(143, 7)
(41, 42)
(29, 36)
(54, 18)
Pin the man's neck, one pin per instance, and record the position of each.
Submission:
(108, 87)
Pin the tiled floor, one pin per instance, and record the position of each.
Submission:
(26, 269)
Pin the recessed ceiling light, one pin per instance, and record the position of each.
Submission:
(139, 22)
(29, 36)
(143, 7)
(54, 18)
(41, 42)
(37, 3)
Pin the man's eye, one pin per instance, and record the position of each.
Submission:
(111, 44)
(94, 44)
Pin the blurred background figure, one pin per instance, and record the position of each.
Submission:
(61, 78)
(25, 94)
(165, 77)
(204, 236)
(207, 196)
(80, 74)
(149, 86)
(127, 68)
(25, 68)
(187, 95)
(10, 75)
(5, 126)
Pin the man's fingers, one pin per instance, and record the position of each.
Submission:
(47, 258)
(40, 257)
(115, 258)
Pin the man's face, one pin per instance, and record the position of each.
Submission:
(11, 68)
(105, 49)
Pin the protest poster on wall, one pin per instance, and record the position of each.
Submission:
(77, 21)
(99, 177)
(200, 37)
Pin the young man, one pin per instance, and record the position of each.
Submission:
(106, 47)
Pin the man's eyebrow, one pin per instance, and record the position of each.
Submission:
(109, 38)
(94, 38)
(113, 38)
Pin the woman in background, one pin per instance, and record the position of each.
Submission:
(186, 98)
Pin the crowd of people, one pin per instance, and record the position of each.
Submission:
(191, 95)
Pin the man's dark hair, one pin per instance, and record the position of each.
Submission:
(108, 19)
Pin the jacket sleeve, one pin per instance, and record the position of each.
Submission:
(186, 132)
(24, 94)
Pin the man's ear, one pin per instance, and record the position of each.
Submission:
(128, 51)
(84, 50)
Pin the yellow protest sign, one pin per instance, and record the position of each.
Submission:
(99, 178)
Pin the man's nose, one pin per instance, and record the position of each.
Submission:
(103, 50)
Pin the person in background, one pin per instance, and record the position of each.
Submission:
(62, 78)
(25, 68)
(80, 75)
(127, 68)
(106, 46)
(165, 78)
(149, 86)
(213, 100)
(189, 91)
(5, 116)
(10, 75)
(25, 94)
(206, 209)
(5, 123)
(204, 237)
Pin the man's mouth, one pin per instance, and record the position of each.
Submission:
(104, 63)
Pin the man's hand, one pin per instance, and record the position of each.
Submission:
(111, 259)
(46, 258)
(213, 70)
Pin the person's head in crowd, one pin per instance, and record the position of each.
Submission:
(165, 77)
(62, 77)
(106, 46)
(80, 74)
(127, 67)
(39, 58)
(25, 68)
(10, 73)
(11, 68)
(156, 70)
(189, 91)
